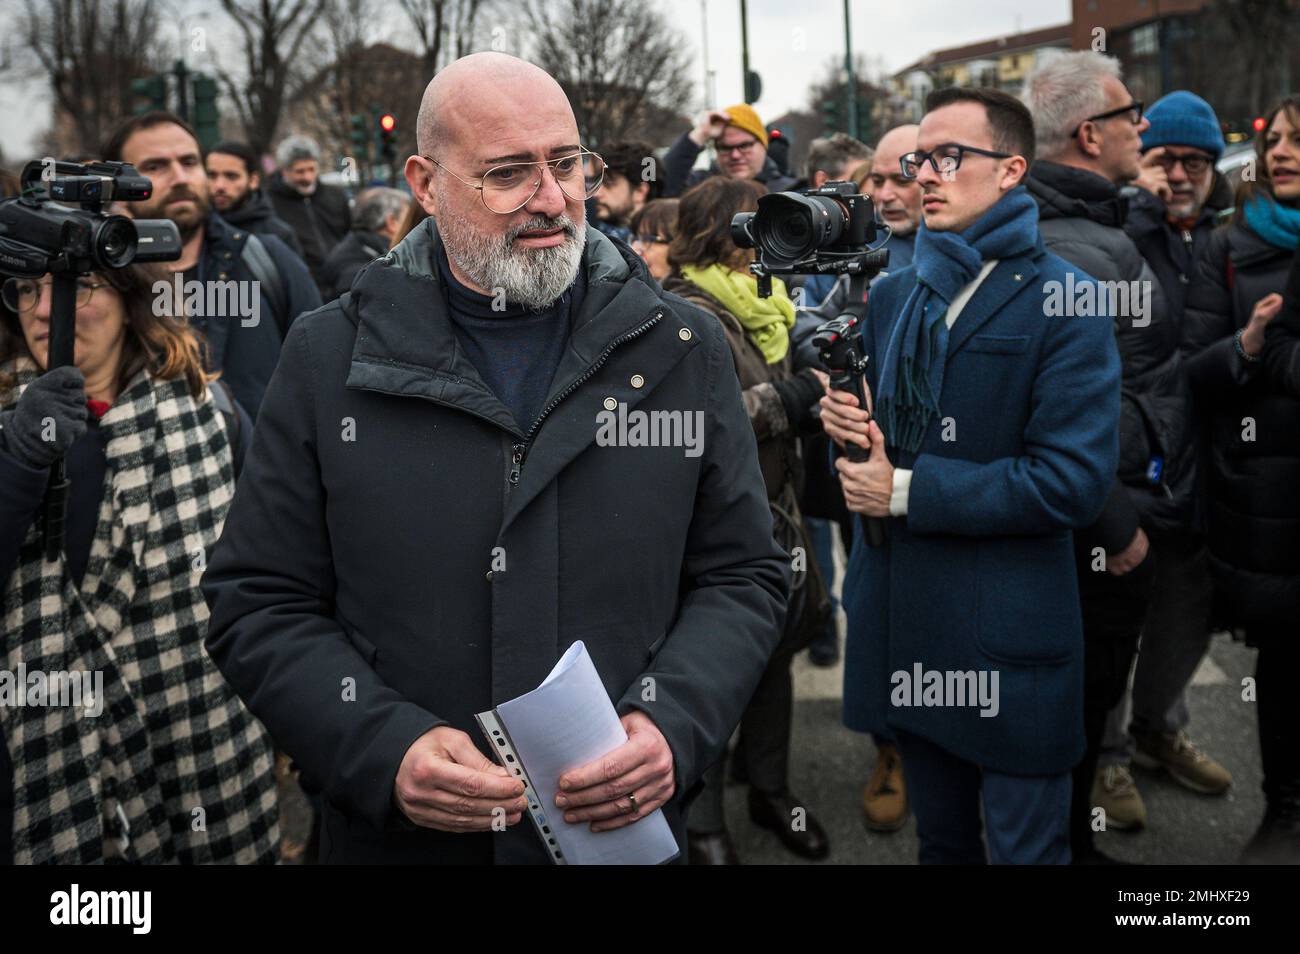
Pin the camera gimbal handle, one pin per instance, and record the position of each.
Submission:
(850, 379)
(62, 344)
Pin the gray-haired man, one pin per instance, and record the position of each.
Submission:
(376, 217)
(318, 213)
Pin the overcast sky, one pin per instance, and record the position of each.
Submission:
(789, 49)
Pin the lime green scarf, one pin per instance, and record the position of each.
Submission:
(767, 321)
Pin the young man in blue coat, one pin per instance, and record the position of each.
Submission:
(993, 436)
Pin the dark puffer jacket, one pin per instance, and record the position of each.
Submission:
(257, 216)
(321, 220)
(354, 253)
(1081, 217)
(778, 450)
(1172, 252)
(370, 557)
(1253, 423)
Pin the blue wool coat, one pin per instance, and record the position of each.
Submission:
(980, 573)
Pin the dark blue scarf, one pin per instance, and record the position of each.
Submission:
(911, 372)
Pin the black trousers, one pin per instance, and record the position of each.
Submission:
(1113, 608)
(762, 752)
(1278, 710)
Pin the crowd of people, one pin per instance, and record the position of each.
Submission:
(339, 528)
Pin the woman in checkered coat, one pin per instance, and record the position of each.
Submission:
(122, 741)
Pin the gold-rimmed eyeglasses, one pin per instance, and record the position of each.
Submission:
(509, 187)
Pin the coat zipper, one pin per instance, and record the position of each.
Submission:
(520, 449)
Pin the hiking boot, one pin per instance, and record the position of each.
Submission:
(884, 800)
(1189, 766)
(1114, 792)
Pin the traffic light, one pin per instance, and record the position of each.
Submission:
(206, 116)
(152, 90)
(359, 136)
(1259, 124)
(387, 137)
(388, 143)
(833, 114)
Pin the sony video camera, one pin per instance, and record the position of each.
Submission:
(818, 231)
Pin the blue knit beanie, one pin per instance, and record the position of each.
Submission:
(1183, 119)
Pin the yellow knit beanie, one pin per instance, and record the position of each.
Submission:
(743, 117)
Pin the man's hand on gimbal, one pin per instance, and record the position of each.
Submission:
(843, 420)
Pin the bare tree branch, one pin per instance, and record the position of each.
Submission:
(618, 61)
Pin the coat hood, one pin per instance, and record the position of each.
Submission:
(402, 321)
(255, 211)
(1064, 192)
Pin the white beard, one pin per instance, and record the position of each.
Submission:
(532, 277)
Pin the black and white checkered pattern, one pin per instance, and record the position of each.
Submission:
(173, 738)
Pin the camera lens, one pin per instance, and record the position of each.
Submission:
(114, 242)
(793, 227)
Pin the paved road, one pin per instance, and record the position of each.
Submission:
(829, 765)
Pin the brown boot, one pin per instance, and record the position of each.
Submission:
(884, 800)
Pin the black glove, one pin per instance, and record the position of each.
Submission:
(799, 395)
(59, 395)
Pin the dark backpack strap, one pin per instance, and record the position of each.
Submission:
(260, 263)
(224, 399)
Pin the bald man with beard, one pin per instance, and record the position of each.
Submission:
(429, 517)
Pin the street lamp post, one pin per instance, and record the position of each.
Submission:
(851, 84)
(744, 50)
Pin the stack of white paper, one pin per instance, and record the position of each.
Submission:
(563, 724)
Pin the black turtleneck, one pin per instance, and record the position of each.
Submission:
(515, 350)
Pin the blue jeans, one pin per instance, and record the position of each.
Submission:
(1026, 818)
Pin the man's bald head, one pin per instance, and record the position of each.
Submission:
(484, 112)
(486, 92)
(898, 200)
(899, 141)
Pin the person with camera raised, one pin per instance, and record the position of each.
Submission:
(739, 139)
(992, 436)
(244, 343)
(897, 202)
(710, 271)
(156, 759)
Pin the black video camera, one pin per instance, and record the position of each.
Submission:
(40, 234)
(818, 231)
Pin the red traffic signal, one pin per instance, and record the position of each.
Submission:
(1258, 124)
(387, 122)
